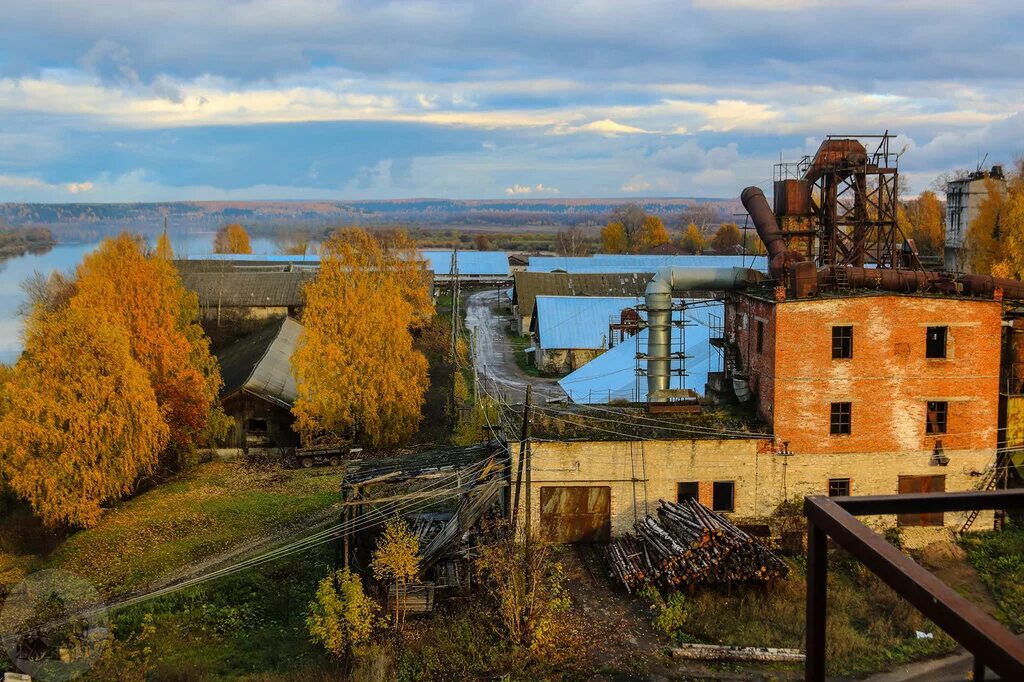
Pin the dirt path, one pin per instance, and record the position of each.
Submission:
(494, 356)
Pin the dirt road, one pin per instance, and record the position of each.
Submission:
(494, 355)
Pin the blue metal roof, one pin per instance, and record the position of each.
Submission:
(638, 263)
(493, 263)
(612, 375)
(577, 321)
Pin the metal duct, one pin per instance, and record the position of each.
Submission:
(779, 256)
(658, 298)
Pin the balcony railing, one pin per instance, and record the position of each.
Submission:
(992, 645)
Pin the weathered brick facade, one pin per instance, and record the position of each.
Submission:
(888, 381)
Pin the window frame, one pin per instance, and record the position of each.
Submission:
(836, 410)
(732, 495)
(842, 351)
(940, 425)
(679, 490)
(839, 482)
(930, 346)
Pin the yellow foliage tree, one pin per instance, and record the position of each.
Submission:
(652, 233)
(694, 240)
(726, 238)
(613, 238)
(119, 285)
(341, 617)
(985, 234)
(925, 223)
(359, 377)
(232, 239)
(396, 559)
(163, 248)
(83, 421)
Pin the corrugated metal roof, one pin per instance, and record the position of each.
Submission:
(261, 363)
(575, 321)
(494, 263)
(612, 375)
(245, 288)
(638, 262)
(530, 285)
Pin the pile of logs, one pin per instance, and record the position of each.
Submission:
(690, 545)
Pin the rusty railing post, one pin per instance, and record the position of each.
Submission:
(817, 583)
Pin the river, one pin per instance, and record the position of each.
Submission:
(65, 257)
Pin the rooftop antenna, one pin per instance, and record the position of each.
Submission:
(982, 163)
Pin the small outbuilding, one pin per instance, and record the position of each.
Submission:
(570, 331)
(259, 386)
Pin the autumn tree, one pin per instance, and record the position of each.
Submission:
(571, 242)
(359, 378)
(925, 223)
(341, 616)
(985, 238)
(143, 295)
(482, 242)
(726, 238)
(652, 233)
(631, 216)
(163, 248)
(396, 560)
(701, 215)
(83, 421)
(614, 239)
(293, 243)
(232, 238)
(694, 240)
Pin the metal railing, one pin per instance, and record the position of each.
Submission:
(992, 645)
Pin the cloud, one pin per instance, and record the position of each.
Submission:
(605, 126)
(79, 187)
(635, 184)
(539, 188)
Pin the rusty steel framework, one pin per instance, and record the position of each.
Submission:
(839, 207)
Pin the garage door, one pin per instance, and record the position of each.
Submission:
(576, 513)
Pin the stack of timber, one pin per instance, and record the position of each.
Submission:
(690, 545)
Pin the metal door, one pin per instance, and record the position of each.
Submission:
(576, 513)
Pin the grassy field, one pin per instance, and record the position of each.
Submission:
(999, 559)
(206, 510)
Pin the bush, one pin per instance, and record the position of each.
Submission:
(341, 616)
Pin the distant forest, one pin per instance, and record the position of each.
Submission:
(270, 218)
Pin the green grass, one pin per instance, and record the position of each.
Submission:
(204, 511)
(870, 628)
(519, 345)
(998, 556)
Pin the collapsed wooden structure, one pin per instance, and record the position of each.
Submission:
(465, 481)
(688, 544)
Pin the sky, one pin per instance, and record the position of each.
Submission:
(122, 100)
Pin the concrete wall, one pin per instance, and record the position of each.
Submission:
(565, 360)
(646, 471)
(245, 313)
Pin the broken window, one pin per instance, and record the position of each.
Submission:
(841, 419)
(723, 496)
(760, 336)
(935, 342)
(842, 342)
(838, 487)
(937, 412)
(687, 490)
(256, 426)
(921, 484)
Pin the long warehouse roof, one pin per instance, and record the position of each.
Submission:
(637, 263)
(481, 263)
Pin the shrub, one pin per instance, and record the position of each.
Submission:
(341, 616)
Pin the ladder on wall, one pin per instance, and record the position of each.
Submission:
(988, 483)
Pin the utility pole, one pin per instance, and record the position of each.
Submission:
(524, 434)
(473, 341)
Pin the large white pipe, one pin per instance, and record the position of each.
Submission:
(676, 281)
